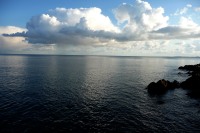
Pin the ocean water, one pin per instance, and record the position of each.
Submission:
(93, 94)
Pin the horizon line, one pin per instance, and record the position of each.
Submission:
(100, 55)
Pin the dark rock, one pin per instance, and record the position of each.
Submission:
(190, 73)
(181, 67)
(193, 69)
(193, 82)
(162, 86)
(175, 84)
(193, 85)
(190, 67)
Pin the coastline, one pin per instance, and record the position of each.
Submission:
(192, 83)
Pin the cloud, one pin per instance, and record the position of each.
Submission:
(11, 29)
(16, 44)
(139, 26)
(140, 17)
(69, 27)
(12, 44)
(188, 5)
(88, 26)
(187, 23)
(191, 47)
(182, 11)
(184, 30)
(197, 9)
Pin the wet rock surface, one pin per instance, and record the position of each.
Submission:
(192, 84)
(162, 86)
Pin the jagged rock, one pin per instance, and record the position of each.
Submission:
(190, 67)
(162, 86)
(193, 85)
(194, 70)
(193, 82)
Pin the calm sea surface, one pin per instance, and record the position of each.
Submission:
(93, 94)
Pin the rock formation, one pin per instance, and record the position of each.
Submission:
(192, 83)
(162, 86)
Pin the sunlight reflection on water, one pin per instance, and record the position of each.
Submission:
(93, 94)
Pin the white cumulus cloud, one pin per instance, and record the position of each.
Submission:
(140, 17)
(88, 26)
(139, 26)
(69, 27)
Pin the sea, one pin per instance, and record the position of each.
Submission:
(94, 94)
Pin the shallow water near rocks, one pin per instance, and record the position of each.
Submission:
(93, 94)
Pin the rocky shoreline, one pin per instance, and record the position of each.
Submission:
(192, 84)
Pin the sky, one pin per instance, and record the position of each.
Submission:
(97, 27)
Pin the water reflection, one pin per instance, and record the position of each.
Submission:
(90, 94)
(97, 78)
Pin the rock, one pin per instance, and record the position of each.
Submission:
(190, 73)
(193, 69)
(193, 85)
(190, 67)
(175, 84)
(162, 86)
(193, 82)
